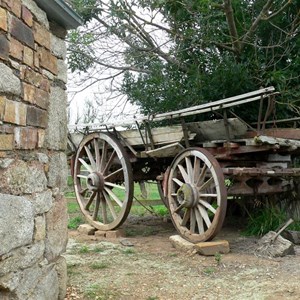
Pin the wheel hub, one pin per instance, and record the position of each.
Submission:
(95, 182)
(187, 196)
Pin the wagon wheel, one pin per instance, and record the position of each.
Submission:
(197, 194)
(103, 181)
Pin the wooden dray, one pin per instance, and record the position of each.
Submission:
(197, 164)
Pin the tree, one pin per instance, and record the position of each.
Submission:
(166, 54)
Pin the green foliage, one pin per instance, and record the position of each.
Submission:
(73, 223)
(128, 251)
(84, 249)
(99, 265)
(265, 219)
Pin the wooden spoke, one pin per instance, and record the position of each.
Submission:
(206, 184)
(82, 192)
(204, 215)
(183, 173)
(110, 205)
(96, 210)
(88, 204)
(189, 168)
(109, 162)
(192, 221)
(209, 195)
(199, 221)
(113, 173)
(82, 176)
(115, 185)
(97, 153)
(180, 183)
(208, 206)
(113, 195)
(186, 217)
(201, 180)
(103, 156)
(90, 156)
(196, 169)
(88, 167)
(202, 175)
(102, 159)
(103, 209)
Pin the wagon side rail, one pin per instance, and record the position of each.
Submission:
(194, 110)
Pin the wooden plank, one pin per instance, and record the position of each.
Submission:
(262, 139)
(255, 95)
(285, 133)
(165, 151)
(215, 129)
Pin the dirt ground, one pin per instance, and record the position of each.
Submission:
(149, 268)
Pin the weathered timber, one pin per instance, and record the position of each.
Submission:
(165, 151)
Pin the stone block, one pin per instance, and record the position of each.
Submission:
(9, 83)
(181, 244)
(292, 235)
(62, 71)
(58, 170)
(16, 49)
(35, 283)
(61, 269)
(29, 93)
(41, 35)
(6, 142)
(48, 61)
(57, 230)
(113, 234)
(4, 47)
(3, 19)
(56, 132)
(21, 32)
(39, 14)
(15, 179)
(42, 98)
(12, 5)
(45, 84)
(17, 219)
(27, 16)
(6, 128)
(212, 248)
(22, 257)
(32, 77)
(26, 138)
(100, 233)
(41, 138)
(15, 112)
(39, 228)
(86, 229)
(58, 47)
(28, 56)
(42, 202)
(36, 117)
(2, 107)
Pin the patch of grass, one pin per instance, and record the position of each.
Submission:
(99, 265)
(161, 210)
(173, 254)
(264, 220)
(96, 291)
(72, 270)
(128, 251)
(73, 223)
(73, 207)
(209, 271)
(84, 249)
(152, 298)
(98, 250)
(218, 258)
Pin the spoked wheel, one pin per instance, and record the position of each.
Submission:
(103, 181)
(196, 194)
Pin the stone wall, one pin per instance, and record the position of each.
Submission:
(33, 167)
